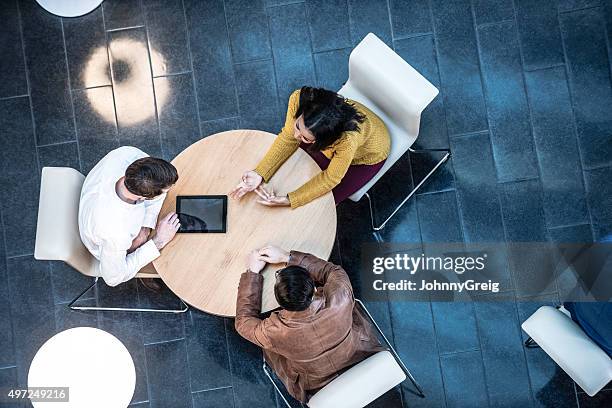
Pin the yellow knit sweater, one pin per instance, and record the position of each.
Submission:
(370, 145)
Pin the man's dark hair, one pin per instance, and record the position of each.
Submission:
(147, 177)
(294, 288)
(327, 115)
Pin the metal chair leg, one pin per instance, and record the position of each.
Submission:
(265, 368)
(397, 357)
(411, 193)
(530, 343)
(71, 305)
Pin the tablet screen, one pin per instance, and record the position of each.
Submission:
(202, 213)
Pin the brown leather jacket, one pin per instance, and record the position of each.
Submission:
(310, 348)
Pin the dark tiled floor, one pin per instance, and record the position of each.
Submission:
(524, 105)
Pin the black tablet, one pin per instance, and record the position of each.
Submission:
(202, 213)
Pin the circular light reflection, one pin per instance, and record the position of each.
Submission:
(129, 90)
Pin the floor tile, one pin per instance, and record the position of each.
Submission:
(122, 14)
(575, 233)
(167, 35)
(439, 217)
(523, 213)
(329, 24)
(491, 11)
(589, 78)
(420, 53)
(332, 68)
(557, 147)
(252, 389)
(133, 91)
(599, 196)
(442, 180)
(96, 125)
(257, 96)
(507, 106)
(47, 73)
(217, 398)
(7, 351)
(127, 327)
(567, 5)
(479, 206)
(456, 368)
(178, 116)
(160, 327)
(369, 16)
(602, 399)
(290, 39)
(12, 67)
(502, 351)
(61, 155)
(459, 67)
(19, 178)
(207, 351)
(539, 33)
(390, 399)
(455, 327)
(219, 125)
(410, 17)
(32, 309)
(210, 50)
(168, 390)
(65, 318)
(549, 384)
(415, 342)
(67, 282)
(86, 50)
(248, 30)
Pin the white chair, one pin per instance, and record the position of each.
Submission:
(385, 83)
(566, 343)
(57, 231)
(363, 382)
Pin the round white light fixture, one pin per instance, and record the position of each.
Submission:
(69, 8)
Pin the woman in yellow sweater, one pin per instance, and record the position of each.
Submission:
(347, 140)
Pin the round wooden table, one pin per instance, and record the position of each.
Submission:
(204, 269)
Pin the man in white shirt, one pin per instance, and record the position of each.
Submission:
(120, 202)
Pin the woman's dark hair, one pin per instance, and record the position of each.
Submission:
(147, 177)
(326, 115)
(294, 288)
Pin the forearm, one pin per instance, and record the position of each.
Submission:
(116, 266)
(248, 308)
(317, 186)
(282, 148)
(320, 270)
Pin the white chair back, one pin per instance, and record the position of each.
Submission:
(567, 344)
(361, 384)
(385, 83)
(57, 231)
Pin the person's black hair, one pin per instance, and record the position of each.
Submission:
(294, 288)
(149, 176)
(327, 115)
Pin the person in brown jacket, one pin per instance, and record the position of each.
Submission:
(319, 331)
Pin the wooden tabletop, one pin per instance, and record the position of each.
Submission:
(204, 269)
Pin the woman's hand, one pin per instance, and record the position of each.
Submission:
(273, 254)
(249, 182)
(269, 198)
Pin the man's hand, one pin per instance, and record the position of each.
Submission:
(166, 230)
(249, 182)
(273, 254)
(141, 238)
(254, 262)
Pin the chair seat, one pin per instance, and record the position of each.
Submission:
(567, 344)
(361, 384)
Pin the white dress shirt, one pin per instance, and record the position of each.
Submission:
(108, 225)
